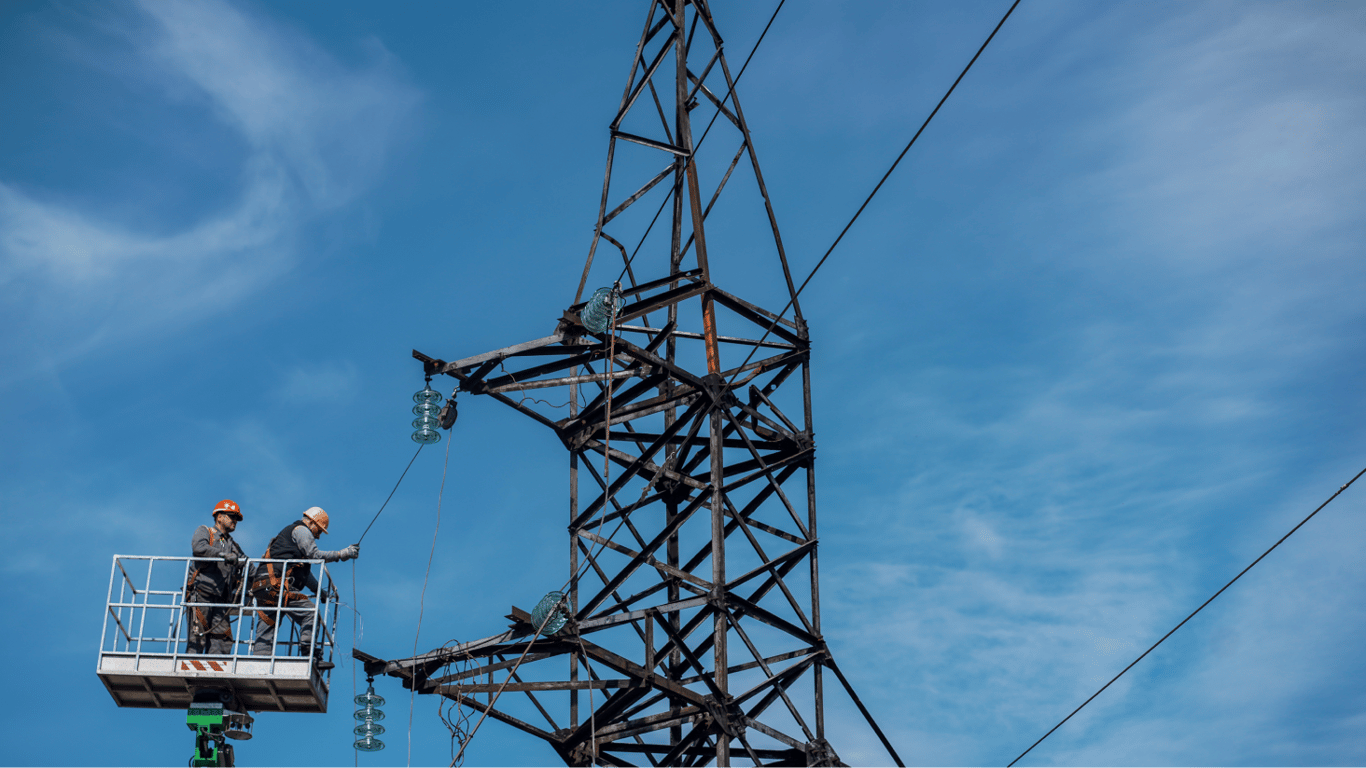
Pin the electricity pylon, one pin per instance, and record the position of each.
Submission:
(691, 622)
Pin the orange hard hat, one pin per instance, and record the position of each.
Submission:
(229, 508)
(317, 515)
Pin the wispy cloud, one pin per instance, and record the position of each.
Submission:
(1050, 529)
(329, 125)
(317, 132)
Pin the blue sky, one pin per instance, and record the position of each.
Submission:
(1095, 347)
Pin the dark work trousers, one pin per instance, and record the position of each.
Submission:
(209, 628)
(266, 621)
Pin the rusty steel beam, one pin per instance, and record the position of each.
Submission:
(677, 463)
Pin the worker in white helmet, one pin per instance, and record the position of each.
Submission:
(213, 581)
(281, 585)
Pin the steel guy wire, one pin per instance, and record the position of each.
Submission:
(1188, 618)
(869, 199)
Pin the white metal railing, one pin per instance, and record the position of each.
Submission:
(145, 610)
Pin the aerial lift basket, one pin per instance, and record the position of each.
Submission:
(143, 660)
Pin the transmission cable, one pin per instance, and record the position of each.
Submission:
(391, 493)
(1188, 618)
(885, 176)
(575, 577)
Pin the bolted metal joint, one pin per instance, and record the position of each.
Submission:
(820, 753)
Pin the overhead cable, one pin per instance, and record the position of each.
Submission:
(885, 176)
(391, 493)
(1188, 618)
(575, 577)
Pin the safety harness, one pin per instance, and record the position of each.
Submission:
(271, 579)
(201, 619)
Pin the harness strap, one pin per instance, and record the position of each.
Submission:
(189, 582)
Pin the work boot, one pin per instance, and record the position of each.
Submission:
(319, 662)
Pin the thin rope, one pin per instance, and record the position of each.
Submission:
(536, 635)
(610, 387)
(391, 493)
(458, 719)
(1188, 618)
(607, 491)
(550, 614)
(422, 599)
(869, 199)
(592, 711)
(355, 610)
(502, 364)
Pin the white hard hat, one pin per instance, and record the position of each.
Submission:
(317, 515)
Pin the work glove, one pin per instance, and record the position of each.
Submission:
(351, 553)
(231, 558)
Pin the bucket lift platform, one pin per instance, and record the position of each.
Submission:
(143, 662)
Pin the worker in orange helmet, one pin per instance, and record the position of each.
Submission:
(213, 580)
(281, 585)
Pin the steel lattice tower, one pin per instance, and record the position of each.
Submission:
(694, 619)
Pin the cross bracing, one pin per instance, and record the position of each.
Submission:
(693, 598)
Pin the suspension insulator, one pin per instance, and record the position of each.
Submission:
(427, 409)
(369, 716)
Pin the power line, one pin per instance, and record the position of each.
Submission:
(391, 493)
(575, 577)
(885, 176)
(1188, 618)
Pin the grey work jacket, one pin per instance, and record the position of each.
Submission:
(219, 576)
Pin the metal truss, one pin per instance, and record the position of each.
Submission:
(694, 631)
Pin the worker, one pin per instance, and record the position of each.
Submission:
(214, 582)
(281, 585)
